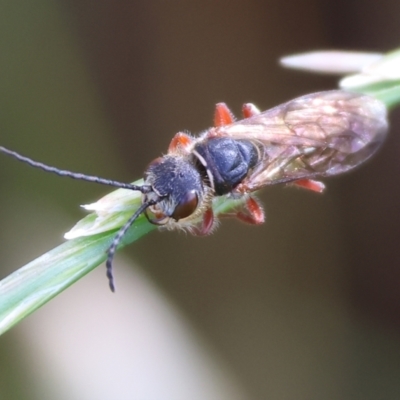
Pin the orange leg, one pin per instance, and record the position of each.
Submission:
(179, 141)
(223, 115)
(249, 109)
(250, 213)
(310, 184)
(253, 214)
(206, 225)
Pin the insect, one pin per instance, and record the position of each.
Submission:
(314, 136)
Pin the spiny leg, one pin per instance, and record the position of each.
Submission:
(310, 184)
(249, 109)
(252, 213)
(223, 115)
(207, 224)
(181, 141)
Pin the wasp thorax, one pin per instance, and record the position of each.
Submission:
(177, 188)
(226, 161)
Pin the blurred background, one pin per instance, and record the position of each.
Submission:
(306, 306)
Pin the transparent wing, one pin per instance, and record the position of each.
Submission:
(317, 135)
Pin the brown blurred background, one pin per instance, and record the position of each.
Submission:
(306, 306)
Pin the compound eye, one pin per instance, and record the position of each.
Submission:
(186, 207)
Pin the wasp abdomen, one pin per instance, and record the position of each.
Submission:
(227, 161)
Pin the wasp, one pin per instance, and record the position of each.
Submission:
(298, 142)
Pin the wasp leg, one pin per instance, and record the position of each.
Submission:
(180, 142)
(310, 184)
(223, 115)
(253, 213)
(249, 109)
(250, 213)
(206, 225)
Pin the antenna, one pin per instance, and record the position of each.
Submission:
(74, 175)
(118, 237)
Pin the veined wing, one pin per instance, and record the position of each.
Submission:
(320, 134)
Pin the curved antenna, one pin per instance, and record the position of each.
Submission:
(118, 237)
(74, 175)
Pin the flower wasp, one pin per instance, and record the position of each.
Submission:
(314, 136)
